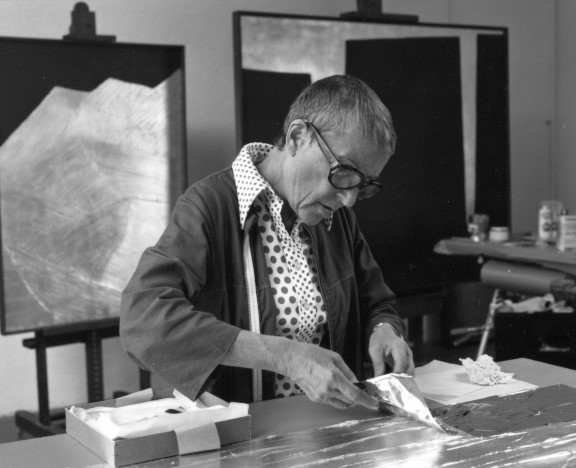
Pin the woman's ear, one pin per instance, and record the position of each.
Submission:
(295, 136)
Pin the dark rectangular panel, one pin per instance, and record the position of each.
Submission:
(492, 165)
(423, 200)
(266, 98)
(517, 412)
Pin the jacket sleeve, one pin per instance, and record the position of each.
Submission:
(377, 299)
(160, 327)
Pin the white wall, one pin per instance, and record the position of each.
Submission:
(566, 104)
(205, 28)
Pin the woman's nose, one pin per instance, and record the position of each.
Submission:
(348, 197)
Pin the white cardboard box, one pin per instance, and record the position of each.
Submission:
(166, 444)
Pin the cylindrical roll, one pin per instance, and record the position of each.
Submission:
(515, 277)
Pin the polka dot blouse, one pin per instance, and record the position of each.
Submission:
(301, 313)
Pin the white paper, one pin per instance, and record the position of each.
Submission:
(449, 384)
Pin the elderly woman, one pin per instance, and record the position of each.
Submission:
(262, 285)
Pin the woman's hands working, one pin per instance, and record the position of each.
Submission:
(322, 374)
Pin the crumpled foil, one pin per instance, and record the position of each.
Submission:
(399, 394)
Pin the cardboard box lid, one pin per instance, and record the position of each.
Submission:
(166, 444)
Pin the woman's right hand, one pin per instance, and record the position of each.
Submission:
(323, 375)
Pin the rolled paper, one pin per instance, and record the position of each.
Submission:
(519, 278)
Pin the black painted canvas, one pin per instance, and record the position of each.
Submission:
(511, 413)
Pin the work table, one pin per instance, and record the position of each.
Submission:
(298, 432)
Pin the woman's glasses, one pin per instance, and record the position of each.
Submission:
(343, 176)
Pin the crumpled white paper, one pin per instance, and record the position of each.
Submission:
(484, 371)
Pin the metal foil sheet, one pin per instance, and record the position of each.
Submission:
(391, 441)
(397, 441)
(399, 394)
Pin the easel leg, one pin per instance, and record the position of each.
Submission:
(46, 422)
(94, 371)
(42, 376)
(41, 424)
(489, 323)
(145, 379)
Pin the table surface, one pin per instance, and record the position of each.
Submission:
(519, 251)
(297, 432)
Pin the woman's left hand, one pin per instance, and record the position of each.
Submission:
(387, 347)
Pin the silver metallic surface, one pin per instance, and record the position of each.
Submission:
(84, 189)
(392, 442)
(295, 432)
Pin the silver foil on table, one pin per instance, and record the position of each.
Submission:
(391, 441)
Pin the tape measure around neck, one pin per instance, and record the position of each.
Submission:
(253, 308)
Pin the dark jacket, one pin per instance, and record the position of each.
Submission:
(187, 301)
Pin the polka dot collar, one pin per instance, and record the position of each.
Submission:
(249, 181)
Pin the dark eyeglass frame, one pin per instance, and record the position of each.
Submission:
(367, 186)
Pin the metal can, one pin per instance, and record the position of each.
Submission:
(478, 225)
(548, 217)
(567, 233)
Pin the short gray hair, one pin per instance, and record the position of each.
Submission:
(343, 104)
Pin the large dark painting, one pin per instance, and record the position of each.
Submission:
(92, 156)
(446, 87)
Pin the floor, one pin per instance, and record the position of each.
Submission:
(422, 355)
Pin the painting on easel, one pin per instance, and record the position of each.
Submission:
(92, 158)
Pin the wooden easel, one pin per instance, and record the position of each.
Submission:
(91, 334)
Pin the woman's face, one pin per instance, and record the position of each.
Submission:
(312, 196)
